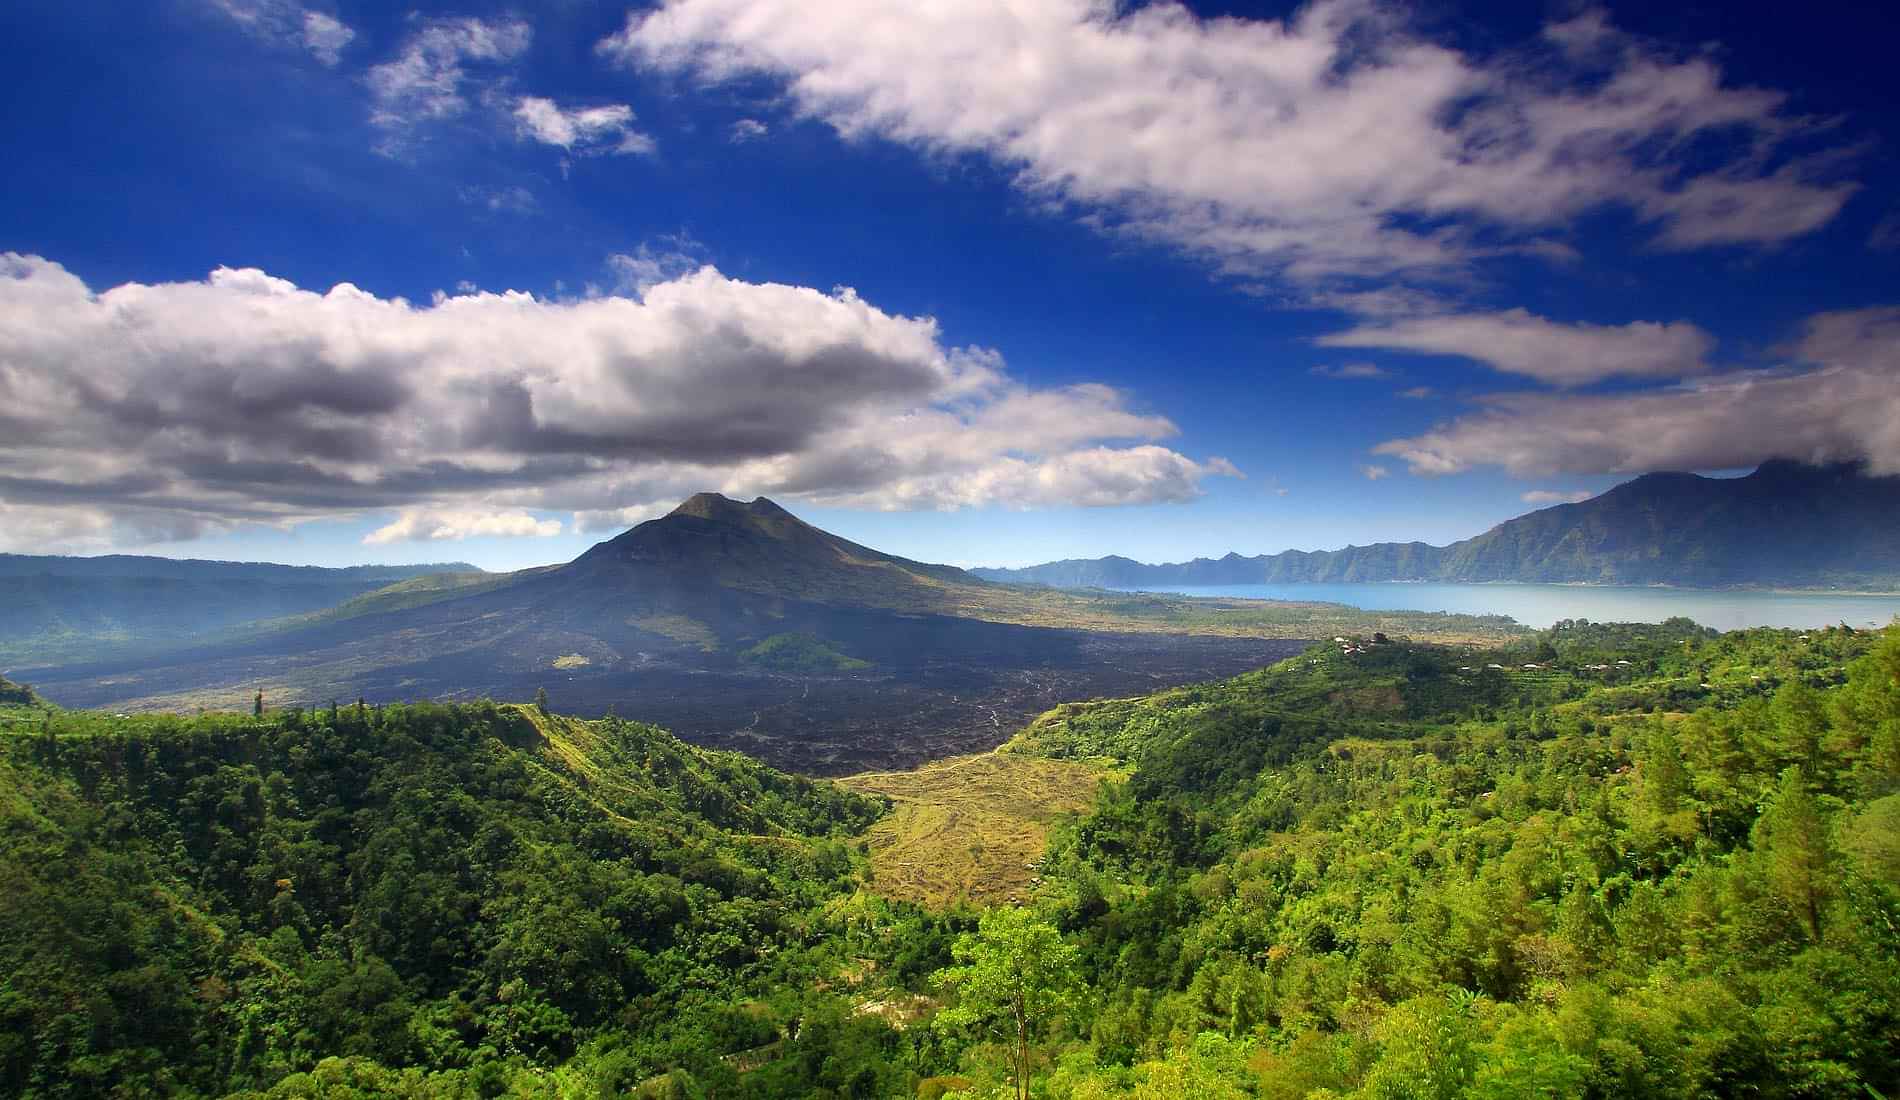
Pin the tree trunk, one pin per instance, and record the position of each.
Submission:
(1022, 1054)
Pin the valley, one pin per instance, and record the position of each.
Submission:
(738, 626)
(943, 687)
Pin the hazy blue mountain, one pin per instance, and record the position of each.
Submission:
(1785, 525)
(52, 605)
(199, 569)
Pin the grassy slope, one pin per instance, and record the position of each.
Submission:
(969, 829)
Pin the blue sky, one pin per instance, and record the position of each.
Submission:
(1160, 282)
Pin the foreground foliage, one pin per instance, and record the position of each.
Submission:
(452, 900)
(1603, 861)
(1394, 871)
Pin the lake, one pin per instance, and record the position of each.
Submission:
(1540, 605)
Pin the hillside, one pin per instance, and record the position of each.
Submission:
(1608, 861)
(70, 608)
(204, 905)
(1786, 525)
(1603, 860)
(16, 694)
(880, 661)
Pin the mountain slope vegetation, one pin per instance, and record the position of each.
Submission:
(1613, 861)
(195, 906)
(1606, 860)
(1785, 525)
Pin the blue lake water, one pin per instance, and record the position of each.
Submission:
(1540, 605)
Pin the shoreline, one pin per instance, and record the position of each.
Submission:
(1730, 590)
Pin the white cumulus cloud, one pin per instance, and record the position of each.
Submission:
(1556, 496)
(243, 398)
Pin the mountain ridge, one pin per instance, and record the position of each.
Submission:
(152, 565)
(1787, 524)
(55, 606)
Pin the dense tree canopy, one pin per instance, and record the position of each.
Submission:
(447, 896)
(1606, 861)
(1629, 861)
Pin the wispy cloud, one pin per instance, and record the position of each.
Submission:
(1561, 353)
(288, 24)
(655, 262)
(427, 80)
(1373, 472)
(1840, 404)
(1886, 234)
(748, 129)
(1351, 370)
(1339, 143)
(501, 200)
(326, 36)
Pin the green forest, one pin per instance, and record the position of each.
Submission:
(1602, 861)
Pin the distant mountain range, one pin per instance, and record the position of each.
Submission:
(1785, 525)
(197, 569)
(52, 605)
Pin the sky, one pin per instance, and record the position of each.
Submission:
(987, 282)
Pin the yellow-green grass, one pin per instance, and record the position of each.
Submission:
(681, 628)
(970, 829)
